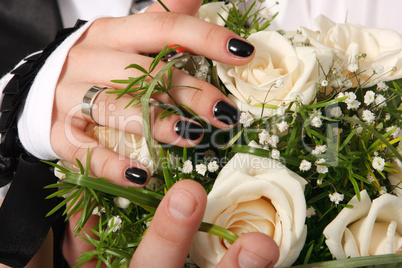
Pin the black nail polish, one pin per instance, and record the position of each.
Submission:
(226, 113)
(188, 130)
(240, 48)
(136, 175)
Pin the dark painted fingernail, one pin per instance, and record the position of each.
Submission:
(136, 175)
(188, 130)
(240, 48)
(226, 113)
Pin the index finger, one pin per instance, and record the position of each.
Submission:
(151, 32)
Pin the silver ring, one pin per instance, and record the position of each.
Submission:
(88, 101)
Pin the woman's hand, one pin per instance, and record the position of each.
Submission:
(168, 239)
(102, 53)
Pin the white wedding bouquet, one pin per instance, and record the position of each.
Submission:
(315, 161)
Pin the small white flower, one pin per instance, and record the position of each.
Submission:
(324, 83)
(121, 202)
(320, 168)
(316, 122)
(187, 167)
(383, 190)
(387, 117)
(347, 83)
(380, 100)
(336, 197)
(381, 86)
(335, 112)
(297, 96)
(370, 178)
(368, 116)
(213, 166)
(96, 211)
(305, 165)
(310, 211)
(275, 154)
(280, 111)
(273, 140)
(201, 169)
(114, 223)
(282, 126)
(377, 68)
(369, 97)
(263, 137)
(354, 105)
(246, 119)
(319, 182)
(353, 67)
(396, 131)
(351, 97)
(279, 83)
(319, 149)
(378, 163)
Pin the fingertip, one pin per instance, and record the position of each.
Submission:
(251, 250)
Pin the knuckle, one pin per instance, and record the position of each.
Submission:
(167, 22)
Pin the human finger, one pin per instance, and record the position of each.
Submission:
(119, 114)
(70, 142)
(189, 7)
(173, 227)
(251, 250)
(72, 245)
(132, 34)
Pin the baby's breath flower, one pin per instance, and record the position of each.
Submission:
(324, 83)
(246, 119)
(121, 202)
(347, 83)
(316, 122)
(383, 190)
(201, 169)
(282, 126)
(263, 137)
(279, 83)
(213, 166)
(319, 149)
(351, 101)
(319, 181)
(275, 154)
(320, 168)
(336, 197)
(114, 223)
(378, 163)
(273, 140)
(387, 117)
(335, 112)
(354, 105)
(96, 211)
(305, 165)
(297, 96)
(187, 167)
(368, 116)
(310, 211)
(377, 68)
(353, 67)
(381, 86)
(280, 111)
(370, 178)
(396, 131)
(380, 100)
(369, 97)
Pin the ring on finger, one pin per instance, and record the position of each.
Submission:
(88, 101)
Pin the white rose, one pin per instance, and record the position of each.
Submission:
(382, 46)
(254, 194)
(275, 58)
(209, 12)
(369, 228)
(396, 178)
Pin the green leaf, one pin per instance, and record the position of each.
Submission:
(218, 231)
